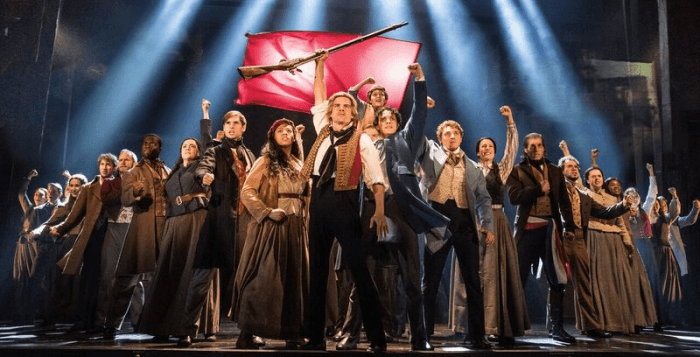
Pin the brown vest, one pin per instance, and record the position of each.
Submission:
(543, 205)
(348, 162)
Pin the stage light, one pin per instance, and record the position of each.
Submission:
(130, 77)
(221, 65)
(524, 53)
(552, 84)
(464, 60)
(383, 13)
(305, 16)
(218, 78)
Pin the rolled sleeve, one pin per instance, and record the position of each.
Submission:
(319, 113)
(371, 164)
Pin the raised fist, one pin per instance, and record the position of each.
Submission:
(431, 103)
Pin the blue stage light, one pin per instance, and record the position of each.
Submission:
(306, 16)
(553, 86)
(465, 62)
(217, 79)
(128, 82)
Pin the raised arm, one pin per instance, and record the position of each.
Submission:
(320, 94)
(415, 126)
(300, 129)
(674, 207)
(356, 88)
(509, 153)
(692, 217)
(594, 157)
(24, 200)
(205, 125)
(653, 190)
(564, 148)
(365, 111)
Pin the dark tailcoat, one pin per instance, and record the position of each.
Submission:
(524, 188)
(218, 236)
(401, 153)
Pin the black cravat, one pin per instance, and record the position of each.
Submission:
(236, 145)
(328, 162)
(233, 143)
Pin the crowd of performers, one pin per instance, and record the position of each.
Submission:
(314, 246)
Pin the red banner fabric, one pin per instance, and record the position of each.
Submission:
(384, 59)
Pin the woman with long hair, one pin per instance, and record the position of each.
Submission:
(271, 284)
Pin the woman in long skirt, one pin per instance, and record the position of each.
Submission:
(671, 254)
(187, 201)
(271, 283)
(505, 311)
(609, 245)
(640, 292)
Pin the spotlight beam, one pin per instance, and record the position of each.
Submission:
(218, 76)
(126, 87)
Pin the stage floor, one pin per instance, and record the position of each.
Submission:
(35, 341)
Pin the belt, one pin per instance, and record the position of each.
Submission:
(496, 206)
(289, 195)
(179, 200)
(531, 226)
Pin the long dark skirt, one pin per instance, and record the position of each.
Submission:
(505, 310)
(641, 294)
(22, 270)
(647, 253)
(166, 299)
(670, 286)
(609, 277)
(272, 280)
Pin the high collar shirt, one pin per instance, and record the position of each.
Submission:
(450, 184)
(371, 167)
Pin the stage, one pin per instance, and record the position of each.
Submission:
(36, 341)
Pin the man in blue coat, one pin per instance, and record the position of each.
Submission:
(457, 189)
(409, 213)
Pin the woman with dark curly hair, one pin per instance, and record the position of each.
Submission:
(271, 284)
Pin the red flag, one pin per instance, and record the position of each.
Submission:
(384, 59)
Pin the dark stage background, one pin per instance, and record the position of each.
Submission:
(57, 57)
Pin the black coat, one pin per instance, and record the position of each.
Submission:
(523, 190)
(218, 235)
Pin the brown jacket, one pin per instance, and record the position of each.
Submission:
(139, 253)
(88, 208)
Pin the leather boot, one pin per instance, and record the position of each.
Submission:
(245, 342)
(555, 317)
(352, 326)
